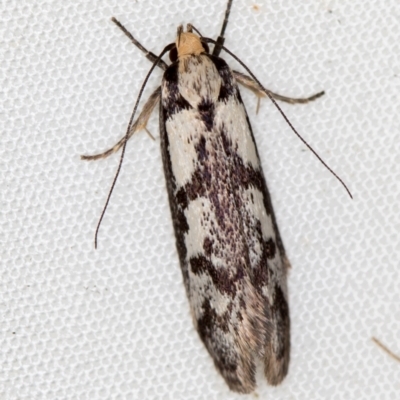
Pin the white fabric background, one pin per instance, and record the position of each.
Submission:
(114, 323)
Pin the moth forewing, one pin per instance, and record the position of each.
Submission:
(233, 262)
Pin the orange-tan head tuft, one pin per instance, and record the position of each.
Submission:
(188, 43)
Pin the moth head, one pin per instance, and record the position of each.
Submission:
(187, 44)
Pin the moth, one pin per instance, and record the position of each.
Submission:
(233, 261)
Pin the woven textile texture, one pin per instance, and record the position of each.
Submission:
(114, 323)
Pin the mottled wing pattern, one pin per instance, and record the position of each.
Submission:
(232, 257)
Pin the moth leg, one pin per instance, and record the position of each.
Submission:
(251, 84)
(385, 349)
(139, 124)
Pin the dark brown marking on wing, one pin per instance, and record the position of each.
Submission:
(269, 249)
(229, 86)
(210, 319)
(206, 110)
(280, 310)
(226, 280)
(174, 102)
(208, 246)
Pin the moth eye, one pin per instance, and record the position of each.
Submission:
(206, 48)
(173, 54)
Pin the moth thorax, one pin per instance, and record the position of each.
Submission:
(188, 43)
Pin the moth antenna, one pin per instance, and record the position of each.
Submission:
(179, 33)
(166, 49)
(148, 54)
(219, 43)
(195, 29)
(283, 115)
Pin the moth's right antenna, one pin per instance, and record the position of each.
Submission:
(221, 40)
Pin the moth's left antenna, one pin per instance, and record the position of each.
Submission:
(156, 62)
